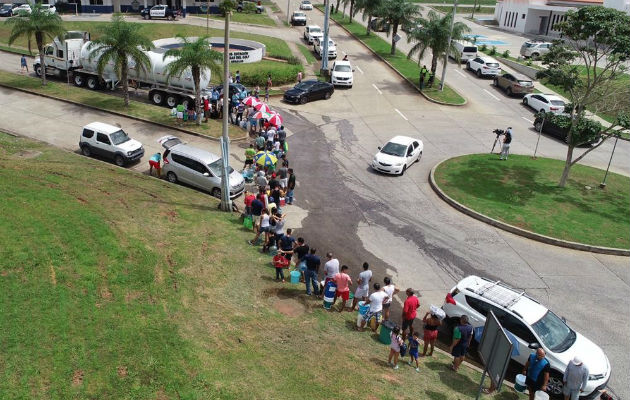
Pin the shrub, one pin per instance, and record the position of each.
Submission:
(529, 63)
(484, 47)
(293, 60)
(249, 7)
(281, 74)
(506, 54)
(493, 51)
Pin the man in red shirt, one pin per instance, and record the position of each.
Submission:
(206, 109)
(409, 312)
(249, 198)
(343, 282)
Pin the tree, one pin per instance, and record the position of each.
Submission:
(587, 63)
(40, 24)
(368, 8)
(398, 13)
(352, 12)
(434, 35)
(199, 58)
(119, 44)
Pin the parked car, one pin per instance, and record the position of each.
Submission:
(234, 87)
(550, 127)
(21, 8)
(379, 25)
(6, 10)
(463, 51)
(318, 48)
(410, 28)
(258, 5)
(197, 167)
(544, 102)
(309, 90)
(341, 73)
(48, 8)
(109, 141)
(298, 18)
(533, 325)
(484, 66)
(398, 155)
(159, 11)
(312, 32)
(514, 84)
(306, 5)
(535, 49)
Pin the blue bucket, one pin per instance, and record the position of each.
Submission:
(295, 276)
(363, 308)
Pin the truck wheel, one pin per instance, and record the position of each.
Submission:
(119, 160)
(185, 102)
(157, 98)
(79, 80)
(92, 83)
(172, 100)
(38, 70)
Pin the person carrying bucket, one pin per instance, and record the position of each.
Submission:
(343, 282)
(537, 372)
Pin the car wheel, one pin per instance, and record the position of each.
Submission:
(525, 101)
(216, 192)
(554, 386)
(79, 80)
(403, 170)
(171, 177)
(303, 100)
(92, 83)
(478, 73)
(38, 70)
(120, 161)
(145, 16)
(327, 96)
(535, 56)
(542, 110)
(538, 125)
(495, 82)
(508, 91)
(85, 150)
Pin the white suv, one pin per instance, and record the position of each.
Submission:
(484, 66)
(111, 142)
(312, 33)
(318, 48)
(533, 325)
(341, 73)
(535, 49)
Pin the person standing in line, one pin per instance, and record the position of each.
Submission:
(574, 379)
(363, 286)
(287, 245)
(283, 177)
(257, 208)
(409, 312)
(507, 139)
(301, 251)
(240, 109)
(331, 268)
(238, 76)
(290, 186)
(394, 347)
(264, 227)
(250, 152)
(23, 64)
(536, 370)
(431, 325)
(310, 275)
(343, 282)
(206, 109)
(391, 290)
(462, 335)
(375, 301)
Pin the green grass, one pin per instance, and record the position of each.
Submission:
(467, 2)
(17, 50)
(408, 68)
(112, 103)
(120, 286)
(274, 7)
(310, 58)
(464, 10)
(248, 18)
(524, 192)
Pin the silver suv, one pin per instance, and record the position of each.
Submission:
(535, 49)
(197, 167)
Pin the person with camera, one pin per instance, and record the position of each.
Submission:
(507, 139)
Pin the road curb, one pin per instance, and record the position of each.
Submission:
(516, 230)
(413, 85)
(238, 139)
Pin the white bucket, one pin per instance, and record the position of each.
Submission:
(540, 395)
(359, 319)
(519, 383)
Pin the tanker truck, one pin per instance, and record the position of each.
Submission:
(70, 57)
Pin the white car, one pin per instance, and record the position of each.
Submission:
(22, 8)
(332, 48)
(48, 8)
(398, 155)
(298, 18)
(535, 49)
(532, 325)
(544, 102)
(313, 32)
(306, 5)
(484, 66)
(341, 73)
(111, 142)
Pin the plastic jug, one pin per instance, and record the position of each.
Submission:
(295, 276)
(540, 395)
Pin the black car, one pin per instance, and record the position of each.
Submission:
(6, 10)
(309, 90)
(551, 128)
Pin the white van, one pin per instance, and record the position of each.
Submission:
(463, 50)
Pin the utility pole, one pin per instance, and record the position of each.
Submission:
(324, 48)
(448, 48)
(226, 203)
(288, 12)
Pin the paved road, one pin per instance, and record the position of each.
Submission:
(404, 230)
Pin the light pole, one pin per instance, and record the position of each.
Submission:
(226, 203)
(288, 11)
(324, 48)
(603, 184)
(448, 47)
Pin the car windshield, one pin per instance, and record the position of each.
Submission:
(343, 68)
(315, 30)
(530, 44)
(119, 137)
(525, 83)
(557, 102)
(299, 14)
(554, 333)
(470, 49)
(394, 149)
(6, 7)
(493, 65)
(304, 85)
(217, 166)
(306, 2)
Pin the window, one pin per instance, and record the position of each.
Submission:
(59, 53)
(185, 161)
(523, 16)
(96, 2)
(101, 137)
(478, 305)
(198, 167)
(416, 145)
(50, 51)
(516, 327)
(88, 133)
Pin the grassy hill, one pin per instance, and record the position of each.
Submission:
(116, 285)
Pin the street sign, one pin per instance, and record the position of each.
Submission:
(495, 351)
(397, 37)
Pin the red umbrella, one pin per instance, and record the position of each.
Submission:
(262, 107)
(251, 101)
(262, 114)
(275, 119)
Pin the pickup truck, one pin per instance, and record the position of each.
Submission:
(312, 32)
(318, 45)
(298, 18)
(159, 11)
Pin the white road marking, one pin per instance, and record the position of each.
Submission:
(493, 96)
(401, 114)
(460, 72)
(357, 67)
(528, 120)
(377, 89)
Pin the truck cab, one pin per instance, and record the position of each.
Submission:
(62, 55)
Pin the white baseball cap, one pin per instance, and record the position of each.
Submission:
(576, 361)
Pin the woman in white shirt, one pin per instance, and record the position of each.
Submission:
(391, 290)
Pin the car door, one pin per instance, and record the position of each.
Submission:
(184, 168)
(103, 145)
(200, 175)
(523, 334)
(544, 104)
(416, 151)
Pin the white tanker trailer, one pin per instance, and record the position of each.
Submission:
(72, 56)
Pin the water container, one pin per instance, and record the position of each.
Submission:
(359, 319)
(295, 276)
(363, 308)
(540, 395)
(350, 300)
(519, 383)
(385, 336)
(329, 294)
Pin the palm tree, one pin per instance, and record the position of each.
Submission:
(398, 13)
(434, 35)
(39, 23)
(196, 56)
(119, 44)
(369, 8)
